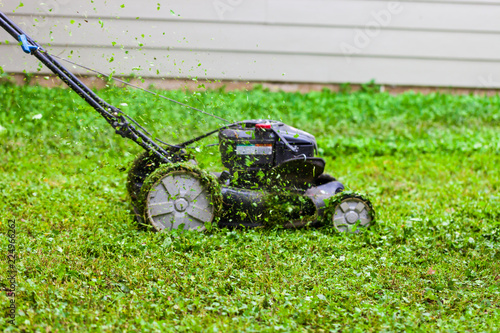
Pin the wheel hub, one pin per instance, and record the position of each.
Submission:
(181, 204)
(349, 212)
(351, 217)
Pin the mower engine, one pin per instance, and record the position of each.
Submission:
(259, 151)
(261, 145)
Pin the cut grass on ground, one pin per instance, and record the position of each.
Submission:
(431, 263)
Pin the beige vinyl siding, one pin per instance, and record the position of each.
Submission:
(427, 43)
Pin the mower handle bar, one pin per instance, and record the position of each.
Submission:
(114, 116)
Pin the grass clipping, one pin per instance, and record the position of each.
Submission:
(289, 210)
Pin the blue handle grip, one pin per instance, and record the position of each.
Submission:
(25, 46)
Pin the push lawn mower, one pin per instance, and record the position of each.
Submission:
(272, 176)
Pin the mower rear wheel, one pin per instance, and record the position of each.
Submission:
(350, 212)
(180, 199)
(145, 164)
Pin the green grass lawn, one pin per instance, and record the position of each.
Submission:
(431, 263)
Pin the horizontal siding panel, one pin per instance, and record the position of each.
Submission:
(268, 39)
(436, 43)
(253, 10)
(284, 68)
(470, 16)
(408, 15)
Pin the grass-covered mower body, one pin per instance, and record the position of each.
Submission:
(272, 177)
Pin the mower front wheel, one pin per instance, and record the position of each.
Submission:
(350, 212)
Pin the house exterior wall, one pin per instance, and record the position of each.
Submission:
(418, 43)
